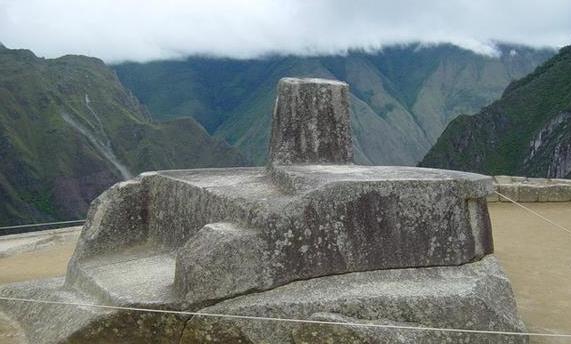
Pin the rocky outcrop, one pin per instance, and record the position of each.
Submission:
(304, 241)
(552, 145)
(527, 132)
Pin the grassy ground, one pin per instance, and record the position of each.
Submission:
(535, 255)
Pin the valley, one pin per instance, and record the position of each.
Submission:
(402, 96)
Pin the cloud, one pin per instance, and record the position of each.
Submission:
(143, 30)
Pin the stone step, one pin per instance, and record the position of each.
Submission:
(74, 323)
(39, 321)
(222, 260)
(141, 279)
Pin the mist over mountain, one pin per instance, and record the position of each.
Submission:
(143, 31)
(526, 132)
(402, 97)
(69, 130)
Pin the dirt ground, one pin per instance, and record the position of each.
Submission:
(46, 262)
(36, 255)
(535, 254)
(537, 258)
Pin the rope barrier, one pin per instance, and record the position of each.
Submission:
(43, 224)
(534, 213)
(290, 320)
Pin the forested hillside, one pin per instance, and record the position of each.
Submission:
(69, 129)
(402, 97)
(527, 132)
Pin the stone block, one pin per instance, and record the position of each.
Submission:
(338, 219)
(311, 122)
(556, 193)
(222, 259)
(530, 193)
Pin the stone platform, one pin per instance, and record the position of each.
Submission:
(310, 236)
(255, 229)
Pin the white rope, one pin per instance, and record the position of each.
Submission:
(535, 213)
(319, 322)
(43, 224)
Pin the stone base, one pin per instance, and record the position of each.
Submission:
(472, 296)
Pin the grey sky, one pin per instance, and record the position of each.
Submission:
(142, 30)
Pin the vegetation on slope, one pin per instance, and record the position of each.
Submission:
(526, 132)
(69, 129)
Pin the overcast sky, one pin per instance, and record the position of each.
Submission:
(143, 30)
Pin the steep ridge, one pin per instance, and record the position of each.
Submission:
(403, 97)
(526, 132)
(69, 129)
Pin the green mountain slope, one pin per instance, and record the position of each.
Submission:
(69, 129)
(403, 97)
(526, 132)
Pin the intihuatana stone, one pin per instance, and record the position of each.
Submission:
(311, 234)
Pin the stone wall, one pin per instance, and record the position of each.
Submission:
(523, 189)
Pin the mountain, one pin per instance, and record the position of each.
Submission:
(69, 129)
(526, 132)
(402, 97)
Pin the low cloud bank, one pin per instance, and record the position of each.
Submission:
(144, 30)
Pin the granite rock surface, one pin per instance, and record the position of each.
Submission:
(311, 122)
(473, 296)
